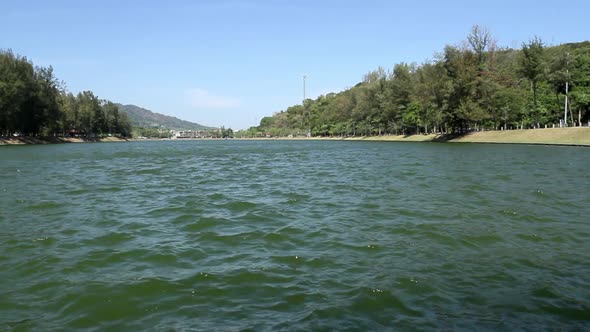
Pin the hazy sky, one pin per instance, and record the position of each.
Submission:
(233, 62)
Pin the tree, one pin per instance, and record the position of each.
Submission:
(89, 108)
(479, 39)
(111, 113)
(580, 95)
(48, 101)
(18, 95)
(532, 67)
(462, 69)
(124, 125)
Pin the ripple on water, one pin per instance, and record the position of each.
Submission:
(110, 239)
(166, 211)
(293, 236)
(47, 206)
(482, 240)
(238, 206)
(203, 223)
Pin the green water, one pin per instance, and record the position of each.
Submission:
(290, 235)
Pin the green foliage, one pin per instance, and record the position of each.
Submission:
(150, 132)
(472, 87)
(33, 102)
(531, 60)
(226, 132)
(532, 67)
(28, 96)
(266, 122)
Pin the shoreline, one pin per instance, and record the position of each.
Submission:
(28, 140)
(574, 136)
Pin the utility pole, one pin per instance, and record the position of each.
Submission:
(303, 104)
(304, 77)
(567, 74)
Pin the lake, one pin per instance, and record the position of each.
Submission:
(294, 235)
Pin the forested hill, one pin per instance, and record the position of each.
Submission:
(141, 117)
(471, 86)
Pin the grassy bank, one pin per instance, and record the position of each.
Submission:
(557, 136)
(552, 136)
(54, 140)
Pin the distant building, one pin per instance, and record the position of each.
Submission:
(175, 134)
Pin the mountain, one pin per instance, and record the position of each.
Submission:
(141, 117)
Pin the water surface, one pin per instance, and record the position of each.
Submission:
(291, 235)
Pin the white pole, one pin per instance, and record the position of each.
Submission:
(567, 73)
(565, 112)
(304, 77)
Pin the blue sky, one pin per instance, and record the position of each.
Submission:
(231, 62)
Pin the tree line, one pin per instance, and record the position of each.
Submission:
(33, 102)
(473, 86)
